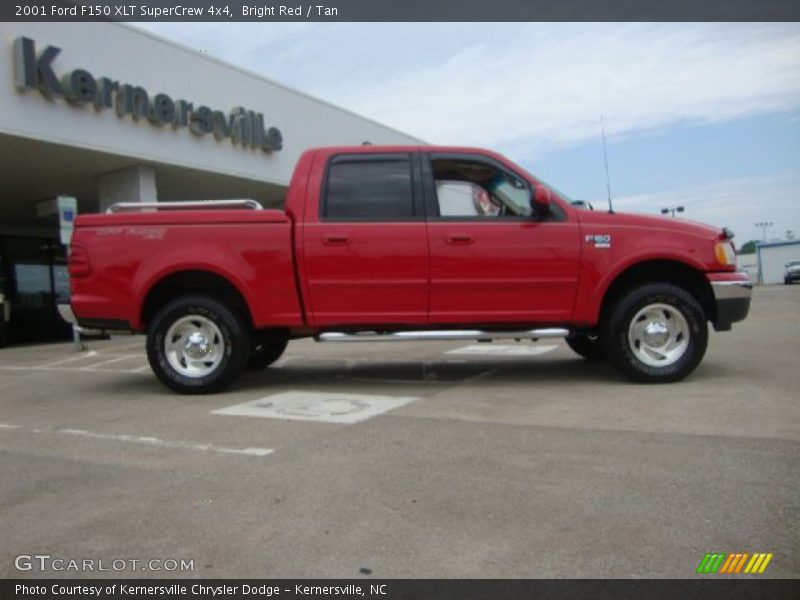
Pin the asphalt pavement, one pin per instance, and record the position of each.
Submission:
(389, 460)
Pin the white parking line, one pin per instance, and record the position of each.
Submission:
(152, 441)
(138, 345)
(147, 441)
(416, 382)
(502, 350)
(64, 361)
(110, 361)
(74, 369)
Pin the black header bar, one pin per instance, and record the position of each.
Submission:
(709, 588)
(267, 11)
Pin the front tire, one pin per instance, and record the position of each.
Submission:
(656, 333)
(197, 345)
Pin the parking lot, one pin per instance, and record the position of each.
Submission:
(408, 460)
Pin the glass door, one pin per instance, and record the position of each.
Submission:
(35, 275)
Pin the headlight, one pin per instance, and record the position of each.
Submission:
(725, 253)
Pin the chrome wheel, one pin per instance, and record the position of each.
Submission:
(659, 335)
(197, 345)
(194, 346)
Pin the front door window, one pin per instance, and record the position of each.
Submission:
(472, 188)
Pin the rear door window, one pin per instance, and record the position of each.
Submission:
(369, 187)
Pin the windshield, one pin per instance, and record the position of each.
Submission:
(559, 193)
(582, 204)
(553, 189)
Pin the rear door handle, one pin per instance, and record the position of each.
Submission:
(459, 238)
(336, 239)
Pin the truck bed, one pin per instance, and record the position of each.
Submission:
(131, 252)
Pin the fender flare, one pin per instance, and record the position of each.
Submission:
(601, 290)
(151, 280)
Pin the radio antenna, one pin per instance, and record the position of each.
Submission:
(605, 160)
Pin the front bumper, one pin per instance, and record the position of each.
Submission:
(732, 293)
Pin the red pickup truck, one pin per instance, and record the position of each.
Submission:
(403, 243)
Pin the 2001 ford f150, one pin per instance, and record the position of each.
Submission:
(403, 243)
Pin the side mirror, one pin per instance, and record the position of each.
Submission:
(540, 201)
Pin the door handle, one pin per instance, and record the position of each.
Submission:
(459, 238)
(336, 239)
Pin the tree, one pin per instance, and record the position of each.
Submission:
(748, 247)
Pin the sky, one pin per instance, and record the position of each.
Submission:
(701, 115)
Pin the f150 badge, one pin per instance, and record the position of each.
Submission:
(601, 240)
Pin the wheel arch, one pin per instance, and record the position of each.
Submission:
(191, 281)
(669, 271)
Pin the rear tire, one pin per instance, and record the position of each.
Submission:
(266, 350)
(197, 345)
(656, 333)
(588, 346)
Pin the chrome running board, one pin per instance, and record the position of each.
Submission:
(441, 336)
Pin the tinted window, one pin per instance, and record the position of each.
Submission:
(369, 189)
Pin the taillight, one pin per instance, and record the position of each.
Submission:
(78, 262)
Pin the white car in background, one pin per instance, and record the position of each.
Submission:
(791, 272)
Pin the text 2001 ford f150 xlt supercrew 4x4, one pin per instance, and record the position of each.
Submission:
(403, 243)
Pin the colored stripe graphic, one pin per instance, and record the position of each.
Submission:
(742, 560)
(734, 563)
(711, 562)
(722, 563)
(758, 563)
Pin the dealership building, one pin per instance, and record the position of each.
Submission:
(107, 113)
(773, 258)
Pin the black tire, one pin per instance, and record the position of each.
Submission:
(666, 304)
(588, 346)
(266, 350)
(230, 340)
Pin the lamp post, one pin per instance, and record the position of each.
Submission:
(764, 225)
(673, 210)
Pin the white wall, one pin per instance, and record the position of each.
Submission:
(774, 258)
(128, 55)
(748, 263)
